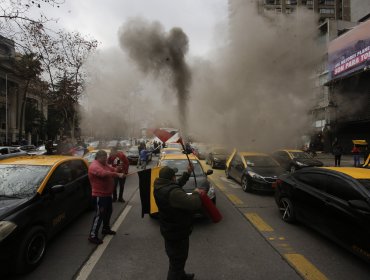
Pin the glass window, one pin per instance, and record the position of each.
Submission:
(365, 183)
(317, 181)
(261, 161)
(61, 176)
(340, 188)
(182, 166)
(21, 180)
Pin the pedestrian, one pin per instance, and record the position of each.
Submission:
(143, 157)
(176, 213)
(366, 153)
(139, 147)
(337, 152)
(356, 155)
(118, 159)
(102, 184)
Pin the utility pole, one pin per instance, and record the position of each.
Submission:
(6, 108)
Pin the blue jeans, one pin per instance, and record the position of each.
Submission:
(356, 159)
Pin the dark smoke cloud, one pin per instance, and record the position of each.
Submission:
(161, 54)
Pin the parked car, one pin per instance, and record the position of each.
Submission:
(201, 150)
(333, 200)
(90, 156)
(254, 171)
(39, 195)
(292, 160)
(133, 155)
(181, 162)
(217, 157)
(8, 151)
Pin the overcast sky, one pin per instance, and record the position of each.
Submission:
(101, 19)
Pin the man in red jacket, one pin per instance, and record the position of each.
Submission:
(101, 177)
(118, 159)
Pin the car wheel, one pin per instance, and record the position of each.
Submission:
(287, 210)
(31, 250)
(245, 184)
(227, 173)
(293, 169)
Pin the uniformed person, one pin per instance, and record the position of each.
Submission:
(176, 212)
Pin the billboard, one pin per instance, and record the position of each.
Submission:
(350, 53)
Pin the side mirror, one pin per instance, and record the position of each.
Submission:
(359, 205)
(209, 172)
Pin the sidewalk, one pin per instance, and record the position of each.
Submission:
(328, 159)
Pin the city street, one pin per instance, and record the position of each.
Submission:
(251, 242)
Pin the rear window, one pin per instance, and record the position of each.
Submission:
(21, 180)
(182, 166)
(260, 161)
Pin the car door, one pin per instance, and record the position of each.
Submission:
(348, 225)
(309, 199)
(238, 168)
(61, 197)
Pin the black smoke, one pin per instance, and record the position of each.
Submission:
(161, 54)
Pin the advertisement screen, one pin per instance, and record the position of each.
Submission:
(350, 52)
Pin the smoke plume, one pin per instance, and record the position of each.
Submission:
(161, 54)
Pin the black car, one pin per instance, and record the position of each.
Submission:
(333, 200)
(254, 171)
(217, 158)
(39, 195)
(292, 160)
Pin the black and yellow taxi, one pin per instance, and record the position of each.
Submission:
(253, 170)
(335, 201)
(180, 163)
(39, 195)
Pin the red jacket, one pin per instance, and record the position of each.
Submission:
(120, 156)
(101, 179)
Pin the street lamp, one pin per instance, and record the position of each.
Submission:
(6, 108)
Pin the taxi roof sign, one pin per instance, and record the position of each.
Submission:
(359, 142)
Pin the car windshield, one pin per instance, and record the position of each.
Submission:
(182, 166)
(365, 183)
(21, 180)
(133, 151)
(300, 155)
(260, 161)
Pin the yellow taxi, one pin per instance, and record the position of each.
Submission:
(292, 160)
(254, 171)
(170, 151)
(39, 195)
(181, 162)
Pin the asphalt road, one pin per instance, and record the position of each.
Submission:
(251, 242)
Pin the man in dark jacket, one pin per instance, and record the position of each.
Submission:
(176, 212)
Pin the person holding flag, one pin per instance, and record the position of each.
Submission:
(176, 212)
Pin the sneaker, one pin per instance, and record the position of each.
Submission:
(121, 200)
(95, 240)
(108, 232)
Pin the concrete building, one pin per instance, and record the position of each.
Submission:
(11, 90)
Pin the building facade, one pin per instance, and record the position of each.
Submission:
(11, 92)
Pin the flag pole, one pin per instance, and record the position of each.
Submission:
(187, 156)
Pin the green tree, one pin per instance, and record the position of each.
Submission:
(28, 68)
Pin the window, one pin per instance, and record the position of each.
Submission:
(316, 181)
(342, 189)
(61, 176)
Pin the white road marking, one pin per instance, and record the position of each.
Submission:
(96, 255)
